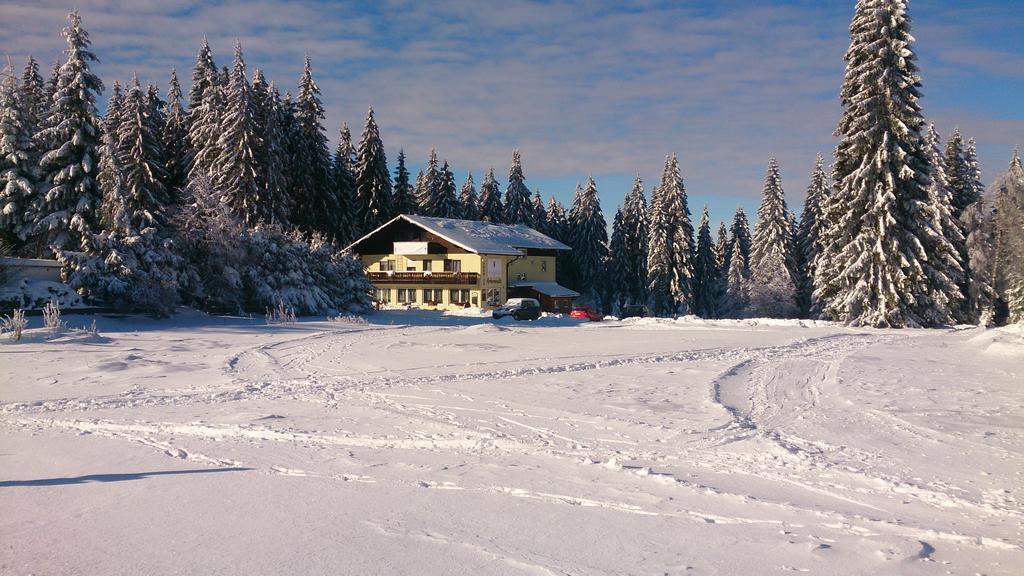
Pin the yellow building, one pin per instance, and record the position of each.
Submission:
(443, 263)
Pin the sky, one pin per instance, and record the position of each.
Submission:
(599, 88)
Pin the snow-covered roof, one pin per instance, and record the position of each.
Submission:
(552, 289)
(481, 237)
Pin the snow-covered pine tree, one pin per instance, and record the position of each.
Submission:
(419, 191)
(316, 206)
(130, 264)
(671, 249)
(155, 113)
(872, 267)
(739, 239)
(947, 254)
(538, 213)
(32, 95)
(517, 195)
(404, 193)
(140, 154)
(979, 222)
(772, 288)
(974, 169)
(445, 202)
(345, 187)
(269, 152)
(468, 201)
(722, 249)
(557, 228)
(614, 274)
(589, 242)
(632, 261)
(175, 137)
(373, 182)
(736, 298)
(808, 238)
(959, 174)
(428, 187)
(17, 172)
(234, 170)
(706, 281)
(1008, 258)
(491, 208)
(205, 103)
(70, 197)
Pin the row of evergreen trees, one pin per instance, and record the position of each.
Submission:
(901, 234)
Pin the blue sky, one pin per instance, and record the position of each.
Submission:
(602, 88)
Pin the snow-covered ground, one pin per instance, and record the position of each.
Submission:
(417, 443)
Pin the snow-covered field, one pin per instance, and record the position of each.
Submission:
(425, 444)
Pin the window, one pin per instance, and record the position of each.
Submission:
(433, 296)
(410, 265)
(382, 295)
(476, 300)
(387, 265)
(493, 268)
(460, 297)
(452, 265)
(492, 296)
(428, 265)
(406, 295)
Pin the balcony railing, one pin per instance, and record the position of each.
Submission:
(452, 278)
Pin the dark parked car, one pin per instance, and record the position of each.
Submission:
(634, 311)
(518, 308)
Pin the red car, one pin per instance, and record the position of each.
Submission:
(586, 313)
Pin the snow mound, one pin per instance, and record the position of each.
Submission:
(35, 294)
(692, 321)
(1007, 341)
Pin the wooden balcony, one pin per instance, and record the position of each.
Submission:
(449, 278)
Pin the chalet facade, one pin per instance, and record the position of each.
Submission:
(443, 263)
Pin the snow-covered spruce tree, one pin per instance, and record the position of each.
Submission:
(32, 95)
(808, 238)
(269, 153)
(469, 204)
(428, 184)
(538, 212)
(140, 155)
(517, 195)
(69, 195)
(404, 199)
(130, 264)
(964, 190)
(948, 254)
(722, 249)
(740, 240)
(442, 200)
(632, 259)
(445, 201)
(589, 243)
(614, 284)
(316, 206)
(175, 137)
(491, 207)
(772, 288)
(345, 188)
(234, 170)
(706, 281)
(558, 228)
(156, 117)
(872, 269)
(205, 103)
(736, 298)
(373, 182)
(17, 172)
(1008, 259)
(979, 221)
(671, 246)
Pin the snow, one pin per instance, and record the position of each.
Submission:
(417, 442)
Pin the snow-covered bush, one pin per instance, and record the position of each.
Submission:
(230, 267)
(14, 324)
